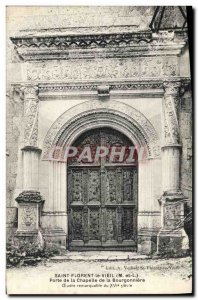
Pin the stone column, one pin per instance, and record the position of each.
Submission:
(29, 201)
(172, 237)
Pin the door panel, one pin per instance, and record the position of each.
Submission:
(93, 185)
(77, 223)
(127, 224)
(94, 223)
(111, 224)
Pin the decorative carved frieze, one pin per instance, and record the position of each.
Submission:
(89, 90)
(100, 69)
(170, 111)
(82, 41)
(102, 45)
(55, 88)
(115, 114)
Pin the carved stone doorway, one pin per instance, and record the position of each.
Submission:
(102, 193)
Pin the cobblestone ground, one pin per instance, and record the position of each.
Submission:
(102, 277)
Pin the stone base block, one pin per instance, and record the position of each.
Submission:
(172, 242)
(30, 238)
(147, 241)
(55, 236)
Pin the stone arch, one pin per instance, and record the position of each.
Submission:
(93, 114)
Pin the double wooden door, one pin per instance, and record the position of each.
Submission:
(102, 197)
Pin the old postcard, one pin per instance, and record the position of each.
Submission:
(99, 150)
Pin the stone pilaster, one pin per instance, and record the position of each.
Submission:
(172, 237)
(30, 200)
(54, 217)
(31, 156)
(31, 105)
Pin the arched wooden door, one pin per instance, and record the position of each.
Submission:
(102, 195)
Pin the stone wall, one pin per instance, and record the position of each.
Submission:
(186, 139)
(14, 129)
(56, 18)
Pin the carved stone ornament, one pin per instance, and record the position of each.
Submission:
(115, 114)
(172, 87)
(30, 114)
(103, 92)
(88, 45)
(29, 197)
(29, 204)
(170, 111)
(100, 69)
(155, 86)
(172, 205)
(56, 89)
(30, 91)
(28, 218)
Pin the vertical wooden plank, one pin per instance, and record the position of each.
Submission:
(119, 200)
(119, 218)
(69, 194)
(85, 178)
(85, 224)
(119, 184)
(135, 185)
(103, 209)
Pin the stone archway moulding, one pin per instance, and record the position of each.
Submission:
(94, 114)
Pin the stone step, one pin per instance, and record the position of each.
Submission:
(101, 256)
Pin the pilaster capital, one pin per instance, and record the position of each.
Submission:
(32, 149)
(29, 197)
(172, 87)
(30, 91)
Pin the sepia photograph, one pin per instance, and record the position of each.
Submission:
(99, 143)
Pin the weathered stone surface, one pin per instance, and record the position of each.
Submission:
(110, 68)
(29, 197)
(110, 54)
(186, 139)
(98, 256)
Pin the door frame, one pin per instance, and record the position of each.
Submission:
(120, 247)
